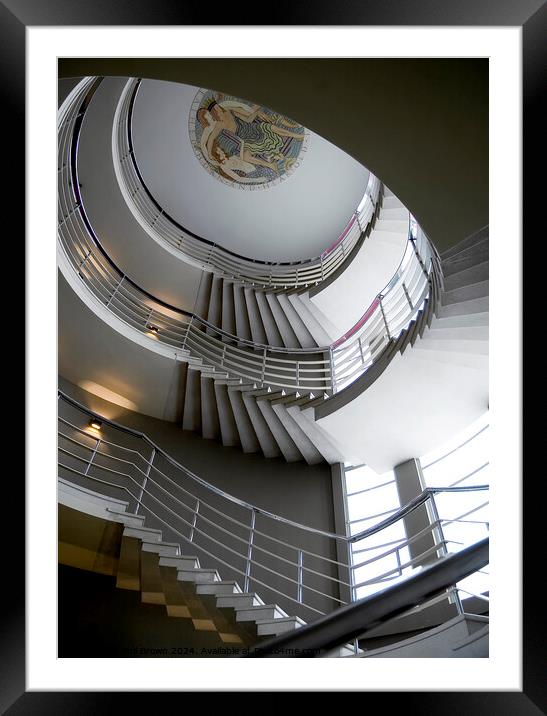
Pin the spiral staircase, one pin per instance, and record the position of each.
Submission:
(278, 360)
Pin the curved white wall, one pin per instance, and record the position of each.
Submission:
(296, 219)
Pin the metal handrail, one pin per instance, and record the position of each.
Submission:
(352, 621)
(209, 255)
(104, 461)
(321, 371)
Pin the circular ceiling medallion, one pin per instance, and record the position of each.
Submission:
(242, 144)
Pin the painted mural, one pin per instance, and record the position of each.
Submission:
(242, 144)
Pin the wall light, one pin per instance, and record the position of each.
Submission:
(153, 329)
(96, 424)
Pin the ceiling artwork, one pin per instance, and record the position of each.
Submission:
(242, 144)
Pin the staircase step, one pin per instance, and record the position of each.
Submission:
(180, 562)
(243, 326)
(198, 575)
(465, 260)
(273, 627)
(471, 241)
(164, 549)
(471, 333)
(474, 305)
(399, 226)
(317, 435)
(214, 314)
(305, 338)
(270, 326)
(228, 308)
(218, 588)
(256, 324)
(284, 441)
(283, 324)
(311, 454)
(455, 346)
(210, 423)
(145, 534)
(239, 601)
(465, 293)
(191, 419)
(307, 312)
(262, 612)
(228, 426)
(127, 518)
(470, 319)
(392, 202)
(465, 277)
(268, 443)
(247, 435)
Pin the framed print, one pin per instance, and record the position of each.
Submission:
(427, 116)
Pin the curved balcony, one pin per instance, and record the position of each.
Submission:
(308, 571)
(326, 370)
(208, 255)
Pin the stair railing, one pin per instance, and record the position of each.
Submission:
(292, 563)
(209, 255)
(321, 371)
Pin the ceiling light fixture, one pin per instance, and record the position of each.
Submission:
(95, 424)
(153, 329)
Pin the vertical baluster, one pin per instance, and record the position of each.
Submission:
(249, 551)
(438, 535)
(332, 376)
(145, 480)
(92, 455)
(384, 316)
(297, 375)
(263, 373)
(407, 296)
(299, 590)
(194, 520)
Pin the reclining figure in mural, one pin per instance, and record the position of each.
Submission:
(260, 140)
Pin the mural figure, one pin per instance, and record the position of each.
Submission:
(244, 144)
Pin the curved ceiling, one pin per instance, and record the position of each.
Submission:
(420, 124)
(295, 216)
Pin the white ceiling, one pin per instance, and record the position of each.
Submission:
(295, 219)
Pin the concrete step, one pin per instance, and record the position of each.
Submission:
(243, 325)
(470, 319)
(319, 332)
(473, 305)
(214, 313)
(258, 333)
(305, 338)
(127, 518)
(286, 444)
(183, 562)
(164, 549)
(443, 332)
(228, 426)
(198, 575)
(322, 441)
(273, 335)
(191, 416)
(477, 347)
(218, 588)
(467, 276)
(228, 309)
(467, 360)
(210, 423)
(465, 293)
(471, 241)
(396, 226)
(239, 601)
(273, 627)
(262, 429)
(392, 202)
(283, 324)
(394, 213)
(311, 454)
(262, 612)
(466, 259)
(247, 434)
(143, 533)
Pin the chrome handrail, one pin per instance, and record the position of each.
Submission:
(321, 371)
(211, 256)
(176, 498)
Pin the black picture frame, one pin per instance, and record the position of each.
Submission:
(531, 15)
